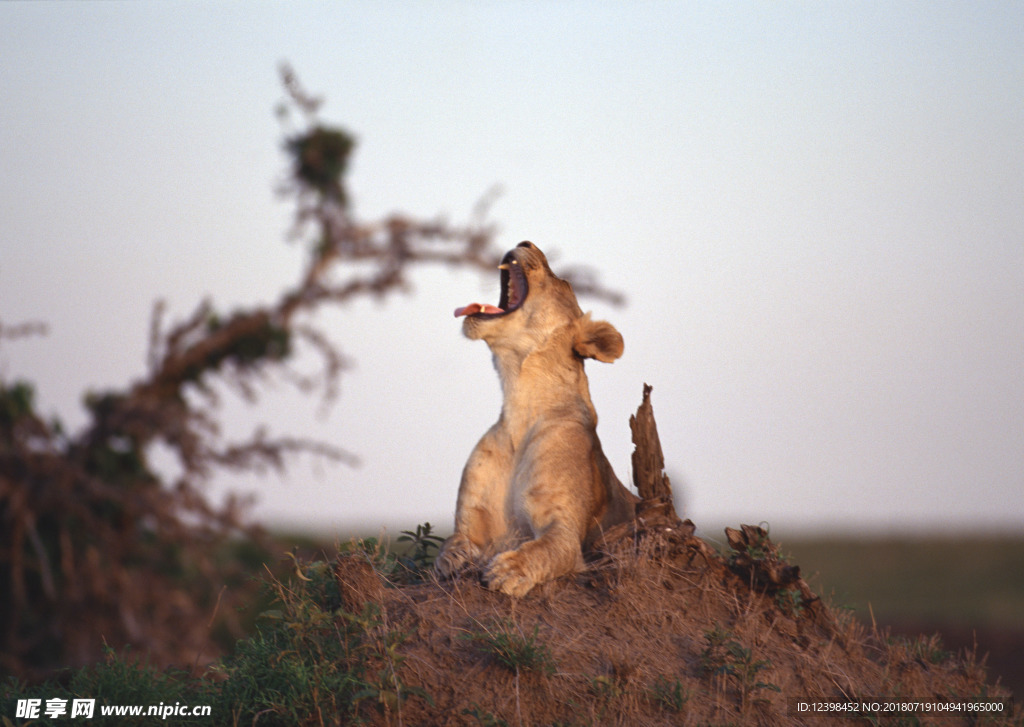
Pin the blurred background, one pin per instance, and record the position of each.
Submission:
(813, 212)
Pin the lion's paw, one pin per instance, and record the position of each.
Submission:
(456, 555)
(508, 573)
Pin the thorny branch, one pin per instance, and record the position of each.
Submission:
(95, 546)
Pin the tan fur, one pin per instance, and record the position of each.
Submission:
(537, 486)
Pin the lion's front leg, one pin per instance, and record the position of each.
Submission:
(553, 494)
(479, 513)
(553, 554)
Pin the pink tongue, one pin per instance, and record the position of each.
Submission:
(474, 308)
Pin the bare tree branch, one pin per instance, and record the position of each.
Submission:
(95, 544)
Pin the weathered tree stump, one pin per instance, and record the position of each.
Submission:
(656, 512)
(656, 506)
(652, 484)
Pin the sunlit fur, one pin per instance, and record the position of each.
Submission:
(537, 487)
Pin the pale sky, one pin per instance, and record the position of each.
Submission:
(816, 211)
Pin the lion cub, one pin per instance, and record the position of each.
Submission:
(537, 486)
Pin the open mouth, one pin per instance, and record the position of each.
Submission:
(513, 293)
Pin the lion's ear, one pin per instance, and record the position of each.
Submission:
(597, 339)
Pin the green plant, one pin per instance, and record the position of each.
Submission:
(312, 660)
(113, 683)
(606, 688)
(727, 658)
(790, 601)
(513, 649)
(670, 695)
(486, 719)
(758, 547)
(378, 554)
(423, 541)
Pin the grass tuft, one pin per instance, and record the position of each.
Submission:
(513, 649)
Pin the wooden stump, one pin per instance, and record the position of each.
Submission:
(652, 484)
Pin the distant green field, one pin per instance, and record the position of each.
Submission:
(973, 581)
(968, 590)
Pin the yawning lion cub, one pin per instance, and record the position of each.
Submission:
(537, 486)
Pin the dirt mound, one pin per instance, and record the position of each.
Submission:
(658, 629)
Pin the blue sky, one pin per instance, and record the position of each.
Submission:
(813, 209)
